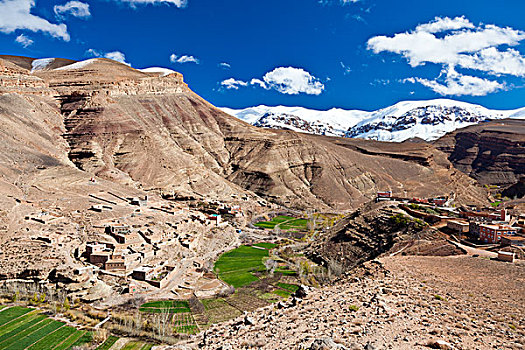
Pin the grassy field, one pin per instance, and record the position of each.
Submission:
(276, 220)
(282, 293)
(169, 306)
(266, 245)
(285, 271)
(108, 343)
(23, 328)
(285, 223)
(184, 323)
(218, 310)
(137, 345)
(297, 224)
(236, 266)
(289, 287)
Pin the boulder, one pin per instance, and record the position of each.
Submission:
(326, 344)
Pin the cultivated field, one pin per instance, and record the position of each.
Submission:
(275, 221)
(24, 328)
(165, 306)
(236, 266)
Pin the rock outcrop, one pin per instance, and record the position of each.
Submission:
(492, 153)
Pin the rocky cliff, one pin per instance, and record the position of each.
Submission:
(492, 153)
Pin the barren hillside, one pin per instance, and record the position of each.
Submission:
(455, 302)
(152, 132)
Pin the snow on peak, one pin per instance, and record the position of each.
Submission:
(41, 64)
(78, 65)
(428, 120)
(162, 71)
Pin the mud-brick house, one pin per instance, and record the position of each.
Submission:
(458, 226)
(115, 263)
(142, 273)
(513, 240)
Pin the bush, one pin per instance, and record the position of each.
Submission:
(399, 220)
(353, 308)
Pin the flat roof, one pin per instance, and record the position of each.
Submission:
(498, 227)
(514, 238)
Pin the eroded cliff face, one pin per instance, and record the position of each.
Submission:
(152, 132)
(492, 153)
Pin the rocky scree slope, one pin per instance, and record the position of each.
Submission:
(401, 302)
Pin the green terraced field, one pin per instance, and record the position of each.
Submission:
(236, 266)
(108, 343)
(297, 224)
(184, 323)
(289, 287)
(9, 314)
(169, 306)
(24, 328)
(137, 345)
(276, 220)
(282, 293)
(266, 245)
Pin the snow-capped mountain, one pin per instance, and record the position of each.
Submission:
(428, 120)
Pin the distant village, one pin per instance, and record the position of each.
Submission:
(486, 228)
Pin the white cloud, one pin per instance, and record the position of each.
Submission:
(178, 3)
(117, 56)
(225, 65)
(443, 24)
(346, 69)
(286, 80)
(184, 59)
(233, 83)
(113, 55)
(457, 43)
(73, 8)
(258, 82)
(457, 84)
(292, 81)
(93, 52)
(24, 40)
(16, 14)
(343, 2)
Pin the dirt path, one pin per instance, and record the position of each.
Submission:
(474, 251)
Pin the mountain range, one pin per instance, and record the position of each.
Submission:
(427, 120)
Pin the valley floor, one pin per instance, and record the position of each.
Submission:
(408, 302)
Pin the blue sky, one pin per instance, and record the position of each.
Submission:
(353, 54)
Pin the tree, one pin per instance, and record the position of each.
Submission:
(15, 296)
(35, 299)
(66, 304)
(270, 265)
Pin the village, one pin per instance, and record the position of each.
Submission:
(491, 229)
(143, 245)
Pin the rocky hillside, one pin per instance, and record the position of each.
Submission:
(407, 302)
(372, 230)
(148, 130)
(492, 153)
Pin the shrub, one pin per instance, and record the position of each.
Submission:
(439, 297)
(353, 308)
